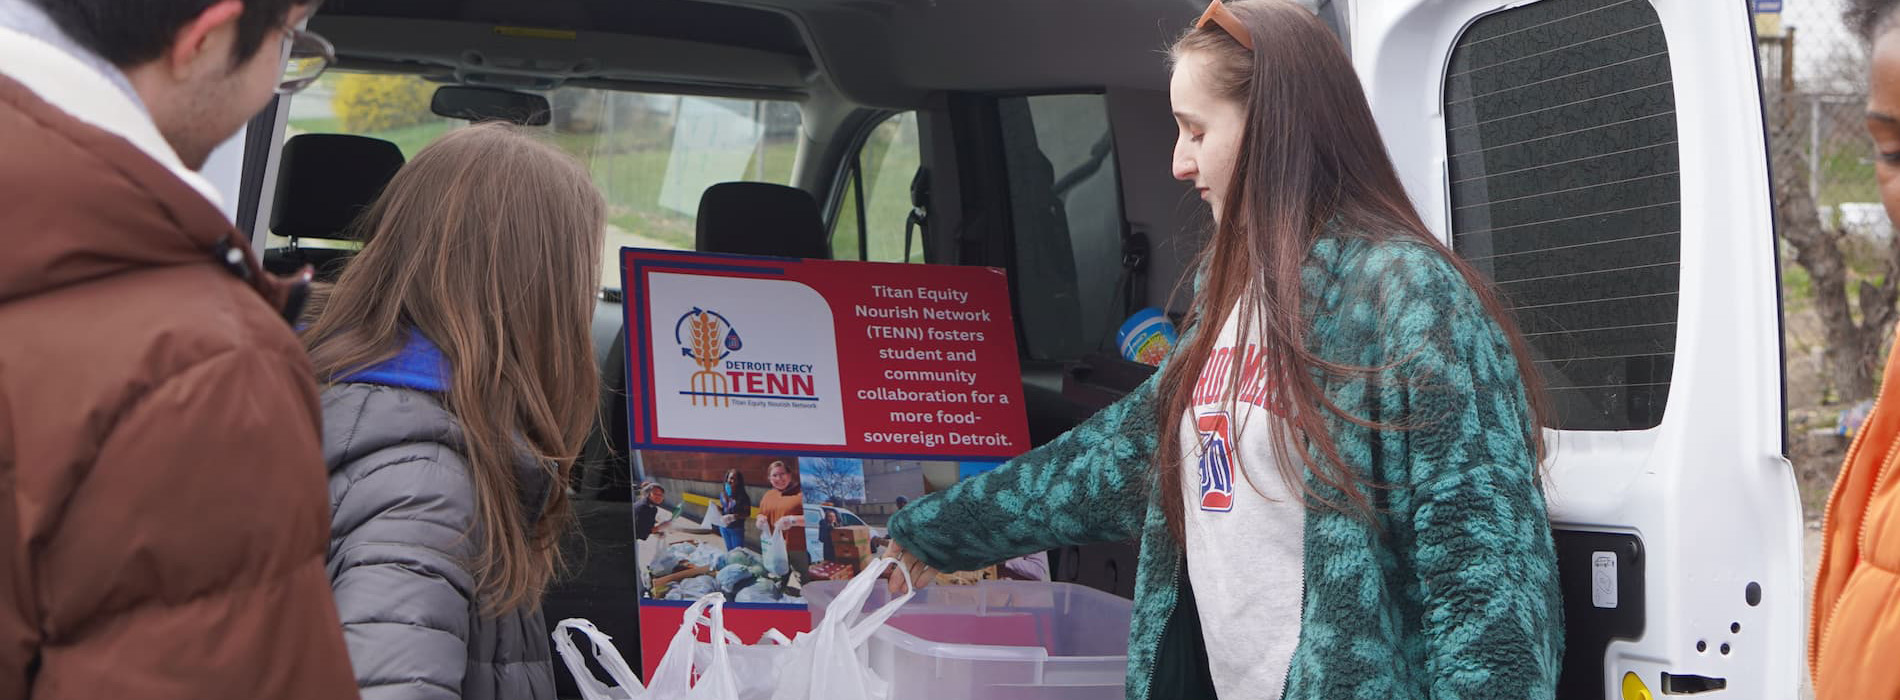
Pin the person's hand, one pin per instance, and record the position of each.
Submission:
(764, 526)
(920, 572)
(789, 521)
(728, 520)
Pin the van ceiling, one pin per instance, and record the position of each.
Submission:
(674, 19)
(882, 53)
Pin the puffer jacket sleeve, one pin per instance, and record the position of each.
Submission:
(187, 563)
(1477, 524)
(1088, 485)
(399, 567)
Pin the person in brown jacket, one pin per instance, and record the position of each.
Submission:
(163, 508)
(1855, 635)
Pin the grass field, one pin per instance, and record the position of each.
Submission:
(409, 138)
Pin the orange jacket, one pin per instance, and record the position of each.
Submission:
(777, 505)
(1855, 637)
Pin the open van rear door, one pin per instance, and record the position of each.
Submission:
(1604, 162)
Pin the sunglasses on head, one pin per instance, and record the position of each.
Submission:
(1218, 14)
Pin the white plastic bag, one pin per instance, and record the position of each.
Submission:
(716, 681)
(828, 663)
(776, 557)
(754, 667)
(707, 523)
(604, 651)
(673, 680)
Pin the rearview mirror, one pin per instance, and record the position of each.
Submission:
(478, 104)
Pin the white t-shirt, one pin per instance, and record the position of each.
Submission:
(1245, 548)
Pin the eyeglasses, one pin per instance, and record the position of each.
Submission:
(306, 56)
(1218, 13)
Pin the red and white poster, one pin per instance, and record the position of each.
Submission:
(784, 410)
(821, 357)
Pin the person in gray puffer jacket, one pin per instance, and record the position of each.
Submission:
(402, 502)
(460, 383)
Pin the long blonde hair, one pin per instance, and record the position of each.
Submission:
(488, 243)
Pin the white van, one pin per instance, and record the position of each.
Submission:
(1604, 161)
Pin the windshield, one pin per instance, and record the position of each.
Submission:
(651, 155)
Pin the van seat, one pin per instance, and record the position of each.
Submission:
(324, 182)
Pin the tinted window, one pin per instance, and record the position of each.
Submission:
(1561, 127)
(1065, 201)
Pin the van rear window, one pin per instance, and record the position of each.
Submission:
(1565, 191)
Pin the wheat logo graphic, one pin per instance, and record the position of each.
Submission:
(707, 338)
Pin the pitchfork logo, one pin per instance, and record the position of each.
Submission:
(708, 339)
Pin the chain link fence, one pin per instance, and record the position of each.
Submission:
(1839, 252)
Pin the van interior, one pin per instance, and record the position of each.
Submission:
(1036, 137)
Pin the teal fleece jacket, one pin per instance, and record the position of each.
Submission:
(1453, 595)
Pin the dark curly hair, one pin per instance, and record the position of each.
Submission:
(1870, 17)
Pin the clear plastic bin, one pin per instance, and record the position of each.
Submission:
(998, 640)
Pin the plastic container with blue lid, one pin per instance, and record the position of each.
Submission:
(1146, 337)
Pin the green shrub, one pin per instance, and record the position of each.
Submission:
(366, 102)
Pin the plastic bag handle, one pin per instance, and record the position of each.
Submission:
(850, 601)
(706, 622)
(716, 679)
(851, 617)
(774, 636)
(604, 652)
(674, 676)
(868, 624)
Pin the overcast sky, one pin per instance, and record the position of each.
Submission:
(1821, 39)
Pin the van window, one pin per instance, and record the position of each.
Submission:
(1065, 201)
(651, 155)
(1560, 122)
(884, 167)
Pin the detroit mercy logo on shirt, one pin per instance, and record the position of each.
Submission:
(1217, 463)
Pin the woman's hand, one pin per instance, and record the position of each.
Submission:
(789, 521)
(920, 572)
(764, 526)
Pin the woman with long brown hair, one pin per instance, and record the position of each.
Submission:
(1335, 479)
(460, 384)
